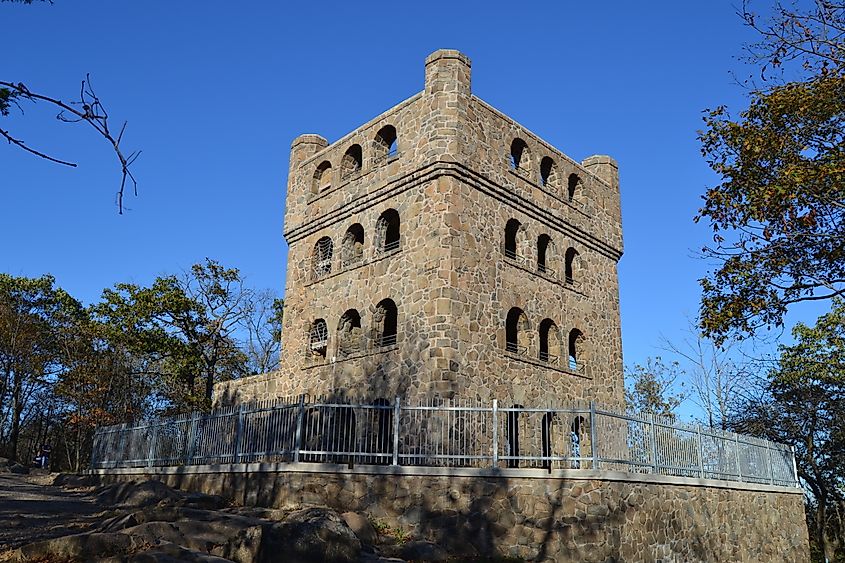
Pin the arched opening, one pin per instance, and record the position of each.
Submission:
(349, 334)
(513, 436)
(516, 332)
(549, 342)
(384, 431)
(573, 189)
(387, 231)
(322, 177)
(543, 247)
(571, 258)
(511, 229)
(548, 174)
(385, 145)
(352, 249)
(576, 343)
(318, 339)
(322, 258)
(546, 432)
(351, 162)
(520, 157)
(385, 323)
(576, 435)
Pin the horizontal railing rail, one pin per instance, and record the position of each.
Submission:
(445, 434)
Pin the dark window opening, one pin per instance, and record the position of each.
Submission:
(548, 173)
(388, 231)
(573, 187)
(322, 177)
(520, 157)
(515, 329)
(349, 333)
(543, 243)
(511, 229)
(385, 323)
(352, 161)
(576, 339)
(385, 145)
(571, 257)
(352, 251)
(318, 338)
(549, 342)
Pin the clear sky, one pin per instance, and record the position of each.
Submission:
(215, 91)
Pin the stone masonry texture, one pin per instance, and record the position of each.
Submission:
(561, 520)
(452, 180)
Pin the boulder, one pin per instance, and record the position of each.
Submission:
(82, 547)
(423, 551)
(361, 527)
(18, 468)
(136, 495)
(313, 535)
(73, 481)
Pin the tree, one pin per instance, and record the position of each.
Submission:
(186, 327)
(804, 407)
(264, 314)
(778, 212)
(651, 389)
(32, 312)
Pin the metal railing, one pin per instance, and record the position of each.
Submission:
(446, 434)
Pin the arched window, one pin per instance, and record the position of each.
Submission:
(352, 249)
(516, 332)
(385, 145)
(520, 157)
(573, 189)
(548, 174)
(546, 431)
(576, 344)
(349, 334)
(385, 323)
(550, 349)
(571, 259)
(384, 431)
(513, 436)
(318, 338)
(322, 177)
(322, 258)
(387, 231)
(511, 229)
(351, 162)
(543, 248)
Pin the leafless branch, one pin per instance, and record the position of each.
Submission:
(90, 109)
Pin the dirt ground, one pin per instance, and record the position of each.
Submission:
(32, 509)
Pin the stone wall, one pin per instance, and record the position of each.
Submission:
(453, 187)
(565, 517)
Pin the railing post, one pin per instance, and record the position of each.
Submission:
(192, 439)
(151, 451)
(653, 444)
(738, 461)
(794, 467)
(771, 465)
(700, 452)
(300, 416)
(397, 408)
(239, 428)
(594, 442)
(495, 433)
(97, 434)
(121, 449)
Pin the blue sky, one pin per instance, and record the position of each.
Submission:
(215, 91)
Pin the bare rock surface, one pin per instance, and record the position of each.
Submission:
(149, 522)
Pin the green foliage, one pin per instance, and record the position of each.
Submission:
(650, 388)
(804, 406)
(778, 214)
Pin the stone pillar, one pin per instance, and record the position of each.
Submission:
(447, 70)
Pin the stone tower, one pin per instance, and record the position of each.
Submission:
(442, 249)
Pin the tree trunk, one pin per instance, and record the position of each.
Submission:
(17, 409)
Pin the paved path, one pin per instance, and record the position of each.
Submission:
(31, 510)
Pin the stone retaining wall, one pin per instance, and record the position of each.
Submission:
(576, 515)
